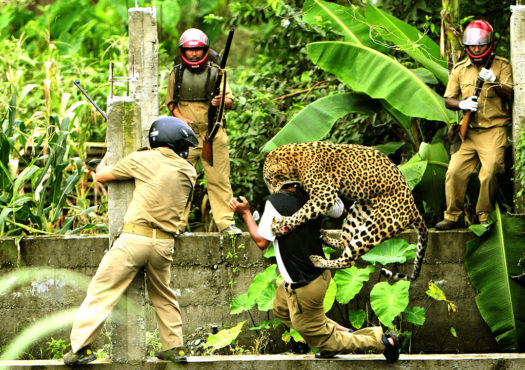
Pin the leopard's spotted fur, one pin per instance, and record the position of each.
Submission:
(384, 205)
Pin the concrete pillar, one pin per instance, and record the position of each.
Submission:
(517, 55)
(123, 136)
(143, 64)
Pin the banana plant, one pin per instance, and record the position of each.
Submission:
(492, 263)
(362, 61)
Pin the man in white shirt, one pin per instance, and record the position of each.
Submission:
(299, 300)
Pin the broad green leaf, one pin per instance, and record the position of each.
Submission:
(262, 287)
(415, 315)
(378, 75)
(453, 332)
(224, 337)
(357, 318)
(315, 120)
(389, 148)
(431, 188)
(241, 303)
(350, 281)
(292, 333)
(342, 19)
(491, 261)
(478, 229)
(270, 251)
(265, 299)
(388, 301)
(413, 170)
(425, 75)
(329, 297)
(391, 251)
(408, 39)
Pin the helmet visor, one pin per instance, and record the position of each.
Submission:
(477, 36)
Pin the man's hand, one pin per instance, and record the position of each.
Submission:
(103, 171)
(471, 104)
(216, 101)
(241, 207)
(487, 75)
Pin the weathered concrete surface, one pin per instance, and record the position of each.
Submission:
(208, 272)
(517, 54)
(496, 361)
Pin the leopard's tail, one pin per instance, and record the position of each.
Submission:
(422, 240)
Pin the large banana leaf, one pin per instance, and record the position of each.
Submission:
(316, 120)
(366, 70)
(408, 39)
(349, 23)
(431, 188)
(491, 262)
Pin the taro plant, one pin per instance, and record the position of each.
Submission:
(388, 302)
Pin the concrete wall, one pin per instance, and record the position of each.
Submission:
(207, 280)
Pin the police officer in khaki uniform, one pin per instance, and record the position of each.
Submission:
(298, 302)
(164, 182)
(190, 86)
(486, 137)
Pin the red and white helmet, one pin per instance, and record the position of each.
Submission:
(479, 32)
(194, 38)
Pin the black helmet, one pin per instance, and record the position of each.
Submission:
(173, 133)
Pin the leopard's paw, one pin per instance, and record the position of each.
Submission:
(318, 261)
(279, 227)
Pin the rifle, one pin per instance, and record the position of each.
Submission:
(77, 84)
(465, 122)
(216, 113)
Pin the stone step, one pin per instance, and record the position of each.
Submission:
(509, 361)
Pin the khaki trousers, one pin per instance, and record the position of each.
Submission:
(483, 145)
(117, 269)
(217, 176)
(303, 310)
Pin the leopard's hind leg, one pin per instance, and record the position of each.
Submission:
(357, 214)
(383, 221)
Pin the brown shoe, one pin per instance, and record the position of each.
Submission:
(176, 354)
(447, 225)
(83, 356)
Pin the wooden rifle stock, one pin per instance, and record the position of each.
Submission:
(465, 122)
(215, 114)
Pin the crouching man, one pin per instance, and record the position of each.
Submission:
(164, 182)
(299, 300)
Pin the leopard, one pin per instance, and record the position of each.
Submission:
(383, 204)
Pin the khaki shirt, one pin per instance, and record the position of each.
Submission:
(492, 110)
(164, 185)
(197, 111)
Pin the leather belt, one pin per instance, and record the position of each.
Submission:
(146, 231)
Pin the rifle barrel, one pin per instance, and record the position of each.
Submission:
(77, 84)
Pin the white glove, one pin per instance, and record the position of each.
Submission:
(470, 103)
(487, 75)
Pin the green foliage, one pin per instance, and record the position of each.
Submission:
(492, 263)
(224, 337)
(391, 251)
(388, 301)
(357, 318)
(56, 348)
(350, 281)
